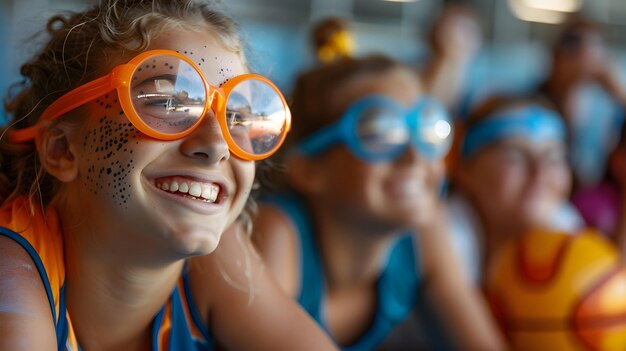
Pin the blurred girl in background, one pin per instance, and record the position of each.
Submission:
(360, 233)
(510, 174)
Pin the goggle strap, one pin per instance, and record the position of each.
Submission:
(66, 103)
(320, 141)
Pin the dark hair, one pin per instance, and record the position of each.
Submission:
(489, 107)
(313, 104)
(324, 29)
(573, 36)
(83, 46)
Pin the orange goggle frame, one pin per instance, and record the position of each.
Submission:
(119, 79)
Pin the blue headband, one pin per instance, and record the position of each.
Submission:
(532, 122)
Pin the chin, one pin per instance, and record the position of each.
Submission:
(198, 242)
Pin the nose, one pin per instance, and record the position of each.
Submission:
(206, 142)
(540, 170)
(410, 155)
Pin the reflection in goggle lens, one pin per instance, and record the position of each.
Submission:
(256, 116)
(435, 131)
(168, 94)
(381, 130)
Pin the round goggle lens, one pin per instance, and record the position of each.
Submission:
(381, 130)
(435, 130)
(256, 116)
(168, 94)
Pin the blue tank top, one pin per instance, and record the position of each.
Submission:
(176, 327)
(398, 285)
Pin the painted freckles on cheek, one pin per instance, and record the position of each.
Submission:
(110, 155)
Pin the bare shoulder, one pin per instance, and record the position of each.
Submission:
(24, 307)
(275, 237)
(245, 296)
(225, 274)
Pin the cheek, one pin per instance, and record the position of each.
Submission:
(243, 172)
(345, 175)
(246, 170)
(561, 180)
(108, 158)
(509, 178)
(496, 184)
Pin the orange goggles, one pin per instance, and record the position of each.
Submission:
(165, 96)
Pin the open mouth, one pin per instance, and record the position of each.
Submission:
(191, 189)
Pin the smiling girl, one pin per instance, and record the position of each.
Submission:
(130, 153)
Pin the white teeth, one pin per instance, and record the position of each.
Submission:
(214, 191)
(195, 189)
(206, 192)
(183, 187)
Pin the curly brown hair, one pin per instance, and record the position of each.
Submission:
(81, 47)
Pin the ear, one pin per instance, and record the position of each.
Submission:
(57, 153)
(305, 175)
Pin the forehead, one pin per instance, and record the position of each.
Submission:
(535, 149)
(526, 143)
(216, 62)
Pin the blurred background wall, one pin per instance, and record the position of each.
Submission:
(516, 32)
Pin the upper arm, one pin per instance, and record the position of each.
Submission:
(456, 300)
(275, 238)
(24, 307)
(247, 309)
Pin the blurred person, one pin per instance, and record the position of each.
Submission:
(584, 85)
(454, 39)
(332, 39)
(359, 235)
(510, 175)
(602, 206)
(617, 172)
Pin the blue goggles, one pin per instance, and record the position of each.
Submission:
(532, 122)
(378, 129)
